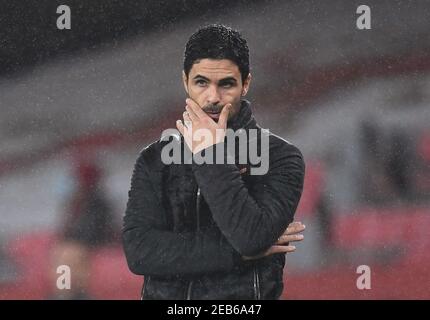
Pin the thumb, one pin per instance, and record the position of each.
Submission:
(224, 116)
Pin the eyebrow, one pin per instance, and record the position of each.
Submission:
(227, 79)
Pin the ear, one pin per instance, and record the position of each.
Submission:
(246, 84)
(184, 80)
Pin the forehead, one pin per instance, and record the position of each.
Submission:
(215, 69)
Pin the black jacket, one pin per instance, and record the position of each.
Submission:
(187, 226)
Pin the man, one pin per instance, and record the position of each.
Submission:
(214, 230)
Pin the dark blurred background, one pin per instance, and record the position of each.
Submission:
(77, 106)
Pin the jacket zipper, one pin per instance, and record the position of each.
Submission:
(257, 294)
(198, 209)
(190, 284)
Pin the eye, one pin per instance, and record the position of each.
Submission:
(227, 85)
(201, 83)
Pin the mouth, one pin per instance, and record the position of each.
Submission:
(214, 115)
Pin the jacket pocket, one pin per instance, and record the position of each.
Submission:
(257, 291)
(145, 285)
(270, 276)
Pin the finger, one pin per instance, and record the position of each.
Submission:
(295, 223)
(186, 117)
(259, 256)
(224, 116)
(295, 229)
(191, 114)
(185, 126)
(196, 108)
(180, 126)
(188, 124)
(280, 249)
(289, 238)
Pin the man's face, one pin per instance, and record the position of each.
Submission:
(215, 83)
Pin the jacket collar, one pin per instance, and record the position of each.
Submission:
(244, 118)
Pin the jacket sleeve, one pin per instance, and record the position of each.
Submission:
(252, 220)
(151, 249)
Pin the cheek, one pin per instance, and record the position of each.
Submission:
(198, 95)
(195, 92)
(234, 98)
(231, 96)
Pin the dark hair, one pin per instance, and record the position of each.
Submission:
(217, 41)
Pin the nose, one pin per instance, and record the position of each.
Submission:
(213, 96)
